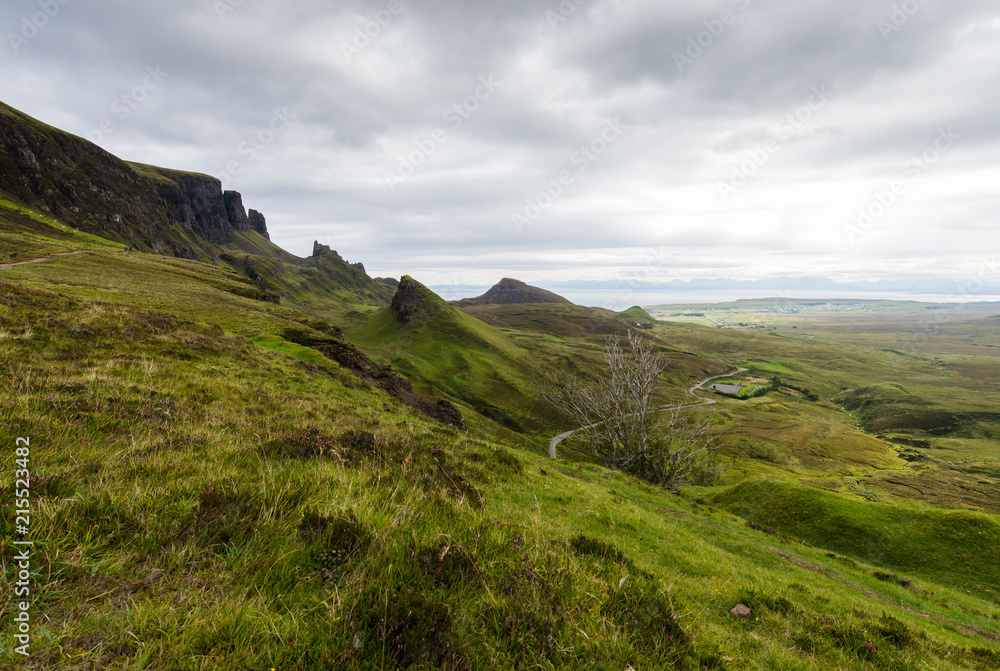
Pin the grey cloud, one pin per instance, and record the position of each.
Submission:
(564, 74)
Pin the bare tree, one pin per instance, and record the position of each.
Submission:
(619, 418)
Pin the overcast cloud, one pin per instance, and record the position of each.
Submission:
(464, 140)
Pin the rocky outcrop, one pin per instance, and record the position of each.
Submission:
(197, 202)
(332, 266)
(412, 302)
(323, 251)
(83, 185)
(235, 212)
(257, 223)
(391, 281)
(509, 291)
(148, 208)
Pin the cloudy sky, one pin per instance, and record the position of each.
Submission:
(465, 140)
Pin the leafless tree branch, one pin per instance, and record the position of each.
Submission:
(619, 419)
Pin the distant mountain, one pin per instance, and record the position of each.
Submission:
(510, 291)
(779, 286)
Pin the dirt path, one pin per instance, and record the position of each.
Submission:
(8, 266)
(704, 401)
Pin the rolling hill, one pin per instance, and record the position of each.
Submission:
(243, 459)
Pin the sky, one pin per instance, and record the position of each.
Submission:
(461, 141)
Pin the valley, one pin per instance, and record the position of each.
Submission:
(245, 459)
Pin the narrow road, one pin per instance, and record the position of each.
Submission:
(701, 385)
(704, 401)
(8, 266)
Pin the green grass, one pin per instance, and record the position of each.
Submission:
(637, 314)
(282, 346)
(208, 494)
(201, 502)
(462, 357)
(950, 547)
(28, 234)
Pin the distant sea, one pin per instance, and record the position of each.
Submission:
(621, 300)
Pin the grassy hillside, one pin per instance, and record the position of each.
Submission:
(447, 350)
(950, 547)
(551, 318)
(199, 502)
(210, 488)
(636, 314)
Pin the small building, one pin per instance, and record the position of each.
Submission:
(727, 388)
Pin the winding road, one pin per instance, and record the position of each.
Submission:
(704, 401)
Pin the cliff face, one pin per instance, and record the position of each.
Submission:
(258, 223)
(148, 208)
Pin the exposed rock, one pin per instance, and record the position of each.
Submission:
(258, 223)
(410, 303)
(145, 207)
(331, 268)
(235, 212)
(391, 281)
(84, 185)
(741, 611)
(319, 251)
(446, 413)
(197, 202)
(508, 291)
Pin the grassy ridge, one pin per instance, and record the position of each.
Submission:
(459, 356)
(211, 495)
(202, 503)
(952, 547)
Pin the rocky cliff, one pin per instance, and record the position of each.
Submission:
(149, 208)
(257, 223)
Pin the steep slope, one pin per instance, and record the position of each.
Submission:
(151, 209)
(509, 291)
(64, 182)
(305, 520)
(268, 480)
(323, 284)
(430, 341)
(559, 319)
